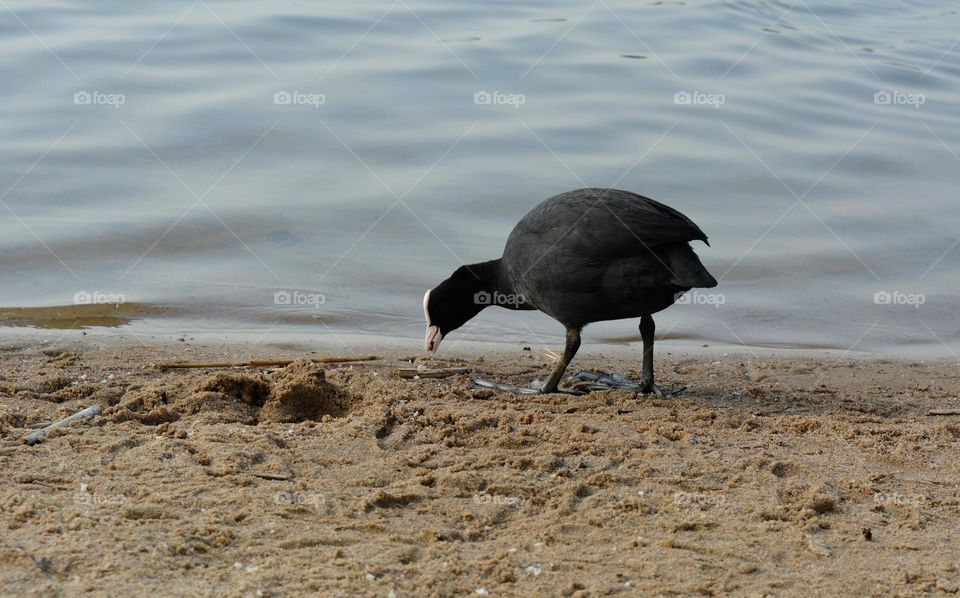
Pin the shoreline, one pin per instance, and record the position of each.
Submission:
(265, 343)
(232, 325)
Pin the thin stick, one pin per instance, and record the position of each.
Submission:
(35, 437)
(944, 412)
(273, 476)
(430, 373)
(264, 363)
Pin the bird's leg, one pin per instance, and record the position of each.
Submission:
(573, 343)
(647, 329)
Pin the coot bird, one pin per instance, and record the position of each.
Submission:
(583, 256)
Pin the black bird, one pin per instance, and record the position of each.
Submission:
(583, 256)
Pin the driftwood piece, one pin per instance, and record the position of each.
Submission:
(35, 437)
(264, 363)
(944, 412)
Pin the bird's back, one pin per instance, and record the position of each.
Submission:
(592, 254)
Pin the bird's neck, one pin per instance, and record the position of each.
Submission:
(490, 279)
(487, 275)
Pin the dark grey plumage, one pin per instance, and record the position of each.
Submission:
(602, 254)
(582, 256)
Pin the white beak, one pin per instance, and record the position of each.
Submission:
(432, 341)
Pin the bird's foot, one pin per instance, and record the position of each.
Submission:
(600, 381)
(535, 388)
(650, 388)
(589, 381)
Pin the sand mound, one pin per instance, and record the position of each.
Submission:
(296, 393)
(300, 391)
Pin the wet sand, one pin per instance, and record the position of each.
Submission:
(767, 476)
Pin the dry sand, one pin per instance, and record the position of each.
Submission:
(780, 476)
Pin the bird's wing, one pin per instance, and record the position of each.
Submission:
(602, 223)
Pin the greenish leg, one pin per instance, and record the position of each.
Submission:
(647, 330)
(573, 344)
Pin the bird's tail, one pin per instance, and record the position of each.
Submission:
(685, 267)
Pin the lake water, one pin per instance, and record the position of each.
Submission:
(205, 161)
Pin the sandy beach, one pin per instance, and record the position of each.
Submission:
(300, 199)
(778, 476)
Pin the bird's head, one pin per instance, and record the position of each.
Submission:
(452, 303)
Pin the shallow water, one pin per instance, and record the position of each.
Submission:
(146, 159)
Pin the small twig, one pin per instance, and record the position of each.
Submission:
(273, 476)
(944, 412)
(35, 437)
(410, 373)
(264, 363)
